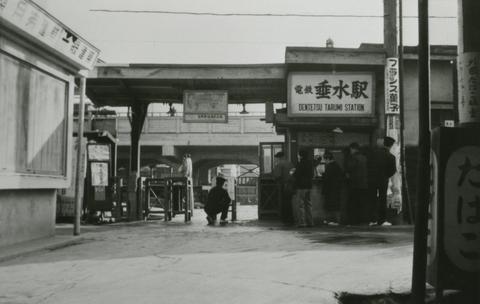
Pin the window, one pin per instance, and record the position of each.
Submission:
(33, 125)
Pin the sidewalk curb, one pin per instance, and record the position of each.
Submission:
(26, 248)
(54, 242)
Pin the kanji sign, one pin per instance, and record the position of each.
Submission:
(468, 86)
(205, 106)
(99, 171)
(462, 208)
(392, 87)
(330, 94)
(98, 152)
(33, 21)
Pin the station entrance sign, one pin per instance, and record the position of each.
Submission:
(320, 94)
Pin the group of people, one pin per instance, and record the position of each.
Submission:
(365, 176)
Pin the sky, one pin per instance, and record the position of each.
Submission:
(167, 38)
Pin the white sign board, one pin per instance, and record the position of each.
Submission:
(462, 208)
(98, 152)
(318, 94)
(468, 87)
(205, 106)
(34, 22)
(99, 173)
(392, 87)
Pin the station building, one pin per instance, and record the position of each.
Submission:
(39, 60)
(337, 96)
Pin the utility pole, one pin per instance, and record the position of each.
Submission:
(79, 165)
(393, 92)
(469, 62)
(423, 174)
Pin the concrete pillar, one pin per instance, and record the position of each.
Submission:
(469, 62)
(139, 112)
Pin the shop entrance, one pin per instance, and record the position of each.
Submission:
(268, 188)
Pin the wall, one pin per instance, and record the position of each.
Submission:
(172, 131)
(441, 89)
(26, 215)
(35, 122)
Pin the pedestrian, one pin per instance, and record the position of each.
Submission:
(218, 201)
(384, 166)
(332, 189)
(282, 175)
(357, 182)
(186, 167)
(303, 176)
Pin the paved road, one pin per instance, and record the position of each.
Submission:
(247, 262)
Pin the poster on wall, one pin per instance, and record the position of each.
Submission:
(99, 173)
(319, 94)
(392, 87)
(205, 106)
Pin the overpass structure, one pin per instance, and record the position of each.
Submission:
(166, 139)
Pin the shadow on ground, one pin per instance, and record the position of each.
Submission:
(390, 298)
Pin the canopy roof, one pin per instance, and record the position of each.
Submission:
(124, 85)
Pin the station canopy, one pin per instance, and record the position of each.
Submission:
(126, 85)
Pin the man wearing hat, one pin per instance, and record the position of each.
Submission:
(383, 166)
(281, 172)
(218, 201)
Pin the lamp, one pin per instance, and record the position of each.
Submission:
(244, 111)
(171, 110)
(337, 130)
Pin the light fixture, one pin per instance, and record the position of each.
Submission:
(171, 110)
(329, 43)
(244, 111)
(337, 130)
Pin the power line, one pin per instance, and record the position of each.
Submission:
(256, 14)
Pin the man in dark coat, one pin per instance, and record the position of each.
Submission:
(303, 176)
(357, 177)
(332, 188)
(281, 172)
(383, 166)
(218, 201)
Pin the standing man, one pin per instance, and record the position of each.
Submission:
(281, 172)
(303, 176)
(332, 189)
(383, 167)
(356, 173)
(186, 167)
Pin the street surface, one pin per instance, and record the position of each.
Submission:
(245, 262)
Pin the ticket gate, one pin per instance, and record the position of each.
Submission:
(169, 196)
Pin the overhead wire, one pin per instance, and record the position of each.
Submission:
(255, 14)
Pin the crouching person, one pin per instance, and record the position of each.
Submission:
(218, 201)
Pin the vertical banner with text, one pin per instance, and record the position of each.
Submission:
(392, 113)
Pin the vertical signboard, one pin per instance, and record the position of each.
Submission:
(454, 258)
(392, 86)
(468, 87)
(392, 113)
